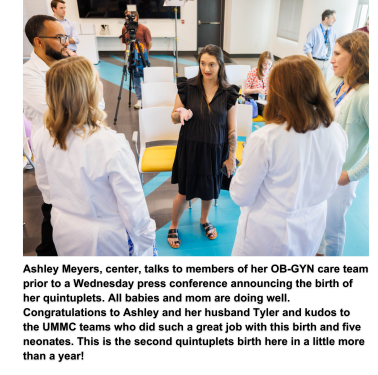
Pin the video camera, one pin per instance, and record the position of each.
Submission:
(136, 55)
(131, 26)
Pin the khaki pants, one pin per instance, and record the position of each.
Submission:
(337, 207)
(325, 67)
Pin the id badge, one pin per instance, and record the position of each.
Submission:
(325, 51)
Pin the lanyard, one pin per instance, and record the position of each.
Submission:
(263, 83)
(342, 96)
(325, 37)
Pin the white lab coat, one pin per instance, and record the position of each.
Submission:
(95, 190)
(282, 187)
(34, 95)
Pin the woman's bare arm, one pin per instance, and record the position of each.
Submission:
(253, 91)
(230, 163)
(232, 134)
(176, 115)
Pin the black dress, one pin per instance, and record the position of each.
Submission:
(203, 143)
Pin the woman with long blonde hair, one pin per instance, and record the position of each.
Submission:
(88, 171)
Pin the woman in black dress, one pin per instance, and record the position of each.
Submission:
(205, 106)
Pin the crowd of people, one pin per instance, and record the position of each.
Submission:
(299, 172)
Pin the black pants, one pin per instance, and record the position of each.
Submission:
(47, 247)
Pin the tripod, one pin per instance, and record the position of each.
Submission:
(131, 68)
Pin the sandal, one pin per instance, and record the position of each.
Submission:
(209, 228)
(173, 233)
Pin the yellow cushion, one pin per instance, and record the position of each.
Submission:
(239, 152)
(259, 119)
(158, 159)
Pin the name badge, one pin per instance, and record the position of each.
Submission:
(325, 51)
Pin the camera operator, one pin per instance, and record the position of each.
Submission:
(143, 35)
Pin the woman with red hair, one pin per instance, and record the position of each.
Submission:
(290, 167)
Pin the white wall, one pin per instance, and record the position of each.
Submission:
(311, 16)
(248, 26)
(227, 26)
(186, 33)
(30, 9)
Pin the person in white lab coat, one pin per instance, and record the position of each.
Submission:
(87, 170)
(290, 167)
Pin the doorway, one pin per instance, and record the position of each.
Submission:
(210, 23)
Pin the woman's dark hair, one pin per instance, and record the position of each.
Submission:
(212, 50)
(298, 95)
(357, 44)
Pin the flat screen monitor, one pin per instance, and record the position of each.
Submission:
(116, 8)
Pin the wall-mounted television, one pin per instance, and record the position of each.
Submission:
(116, 8)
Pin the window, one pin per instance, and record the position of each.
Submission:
(362, 14)
(289, 19)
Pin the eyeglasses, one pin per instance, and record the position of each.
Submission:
(63, 39)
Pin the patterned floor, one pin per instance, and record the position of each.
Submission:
(160, 192)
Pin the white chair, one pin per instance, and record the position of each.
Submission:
(244, 120)
(191, 71)
(237, 74)
(158, 94)
(244, 127)
(158, 74)
(155, 124)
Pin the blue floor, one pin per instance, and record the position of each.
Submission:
(165, 58)
(173, 59)
(112, 73)
(193, 239)
(155, 182)
(225, 216)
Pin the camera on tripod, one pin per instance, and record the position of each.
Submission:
(131, 26)
(136, 57)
